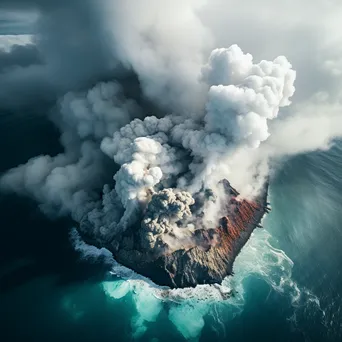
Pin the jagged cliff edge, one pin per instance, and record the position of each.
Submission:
(188, 268)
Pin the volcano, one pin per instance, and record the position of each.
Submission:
(207, 263)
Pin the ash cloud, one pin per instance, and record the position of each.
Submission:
(161, 220)
(218, 114)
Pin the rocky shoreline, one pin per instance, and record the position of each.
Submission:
(196, 265)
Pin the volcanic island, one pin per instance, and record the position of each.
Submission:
(208, 261)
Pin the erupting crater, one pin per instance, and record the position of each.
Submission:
(207, 262)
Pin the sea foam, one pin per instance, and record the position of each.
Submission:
(187, 308)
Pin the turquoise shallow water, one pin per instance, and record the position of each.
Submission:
(288, 278)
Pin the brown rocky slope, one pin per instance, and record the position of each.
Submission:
(197, 265)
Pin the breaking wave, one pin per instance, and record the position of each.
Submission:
(187, 308)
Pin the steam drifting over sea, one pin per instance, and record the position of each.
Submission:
(156, 101)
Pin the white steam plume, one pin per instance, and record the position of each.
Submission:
(243, 95)
(213, 120)
(66, 184)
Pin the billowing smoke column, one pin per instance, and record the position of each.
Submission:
(178, 152)
(147, 120)
(149, 125)
(166, 208)
(243, 95)
(163, 162)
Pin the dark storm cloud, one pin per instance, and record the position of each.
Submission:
(19, 56)
(84, 41)
(72, 43)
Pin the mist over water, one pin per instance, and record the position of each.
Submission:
(287, 284)
(287, 276)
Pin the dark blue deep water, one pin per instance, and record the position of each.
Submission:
(49, 293)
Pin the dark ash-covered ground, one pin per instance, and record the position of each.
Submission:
(206, 263)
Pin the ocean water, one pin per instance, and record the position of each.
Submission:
(287, 285)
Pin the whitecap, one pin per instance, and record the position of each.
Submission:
(187, 308)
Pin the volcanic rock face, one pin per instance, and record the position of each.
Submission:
(200, 267)
(210, 260)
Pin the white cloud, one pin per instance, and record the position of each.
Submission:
(157, 58)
